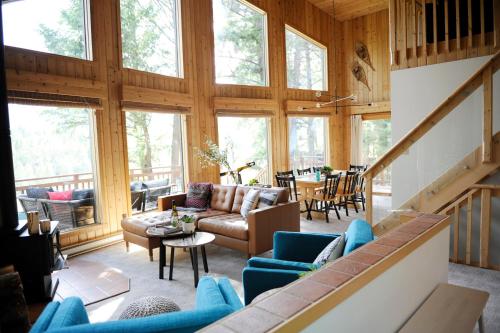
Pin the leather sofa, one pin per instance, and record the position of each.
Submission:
(214, 300)
(251, 236)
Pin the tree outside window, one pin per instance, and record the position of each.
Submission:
(308, 140)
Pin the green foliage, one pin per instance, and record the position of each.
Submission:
(188, 219)
(253, 182)
(212, 155)
(326, 169)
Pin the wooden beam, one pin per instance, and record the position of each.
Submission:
(465, 90)
(456, 228)
(393, 29)
(375, 107)
(369, 199)
(446, 27)
(146, 96)
(469, 25)
(457, 27)
(424, 31)
(434, 27)
(307, 108)
(484, 240)
(245, 104)
(487, 115)
(468, 244)
(496, 18)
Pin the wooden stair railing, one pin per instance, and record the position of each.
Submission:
(486, 192)
(482, 77)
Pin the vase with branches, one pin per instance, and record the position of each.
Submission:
(213, 155)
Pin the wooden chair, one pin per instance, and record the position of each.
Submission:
(288, 182)
(328, 195)
(360, 188)
(302, 172)
(285, 173)
(348, 193)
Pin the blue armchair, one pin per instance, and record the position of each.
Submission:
(293, 255)
(213, 302)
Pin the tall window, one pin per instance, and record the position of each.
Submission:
(376, 135)
(155, 158)
(247, 141)
(54, 26)
(151, 36)
(305, 62)
(308, 142)
(54, 167)
(240, 38)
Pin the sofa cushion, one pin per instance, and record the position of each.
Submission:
(198, 195)
(230, 225)
(140, 223)
(38, 192)
(359, 233)
(82, 194)
(331, 252)
(250, 202)
(282, 196)
(267, 198)
(222, 197)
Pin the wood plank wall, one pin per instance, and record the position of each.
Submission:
(104, 78)
(373, 31)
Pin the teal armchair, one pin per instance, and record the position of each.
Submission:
(293, 255)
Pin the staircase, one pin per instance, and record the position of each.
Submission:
(453, 188)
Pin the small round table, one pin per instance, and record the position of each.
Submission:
(191, 242)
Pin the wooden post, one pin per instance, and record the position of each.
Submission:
(457, 18)
(456, 227)
(446, 28)
(369, 199)
(393, 29)
(469, 25)
(496, 18)
(469, 229)
(434, 28)
(487, 115)
(484, 241)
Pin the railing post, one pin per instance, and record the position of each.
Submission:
(487, 115)
(369, 199)
(484, 241)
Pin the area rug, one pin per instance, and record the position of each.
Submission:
(90, 280)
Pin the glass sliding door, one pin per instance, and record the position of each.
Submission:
(376, 136)
(155, 157)
(247, 141)
(54, 163)
(308, 142)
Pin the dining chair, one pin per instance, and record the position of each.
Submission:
(285, 173)
(302, 172)
(360, 187)
(288, 182)
(328, 196)
(348, 193)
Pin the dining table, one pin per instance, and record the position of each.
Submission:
(308, 185)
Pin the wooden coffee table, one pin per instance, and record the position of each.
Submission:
(191, 242)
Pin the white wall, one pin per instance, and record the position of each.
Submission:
(414, 94)
(386, 303)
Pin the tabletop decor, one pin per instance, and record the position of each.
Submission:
(326, 170)
(188, 225)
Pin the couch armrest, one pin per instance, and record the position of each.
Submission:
(271, 263)
(43, 321)
(165, 202)
(259, 280)
(71, 312)
(298, 246)
(264, 222)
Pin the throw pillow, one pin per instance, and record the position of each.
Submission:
(149, 306)
(267, 198)
(63, 195)
(38, 192)
(82, 194)
(198, 195)
(331, 252)
(250, 201)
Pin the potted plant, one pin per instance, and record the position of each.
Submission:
(326, 170)
(188, 224)
(253, 182)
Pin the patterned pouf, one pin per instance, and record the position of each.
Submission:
(149, 306)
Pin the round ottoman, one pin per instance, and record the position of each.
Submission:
(149, 306)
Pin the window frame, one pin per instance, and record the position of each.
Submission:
(326, 129)
(265, 43)
(87, 36)
(314, 42)
(179, 55)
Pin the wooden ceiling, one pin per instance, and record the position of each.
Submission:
(348, 9)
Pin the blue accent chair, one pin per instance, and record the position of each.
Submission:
(293, 255)
(214, 300)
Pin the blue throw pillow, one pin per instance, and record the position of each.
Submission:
(38, 192)
(359, 233)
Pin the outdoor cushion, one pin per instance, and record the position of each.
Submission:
(150, 184)
(62, 195)
(198, 195)
(230, 225)
(38, 192)
(222, 197)
(135, 186)
(82, 194)
(359, 233)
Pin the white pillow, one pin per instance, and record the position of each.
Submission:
(267, 198)
(250, 201)
(331, 252)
